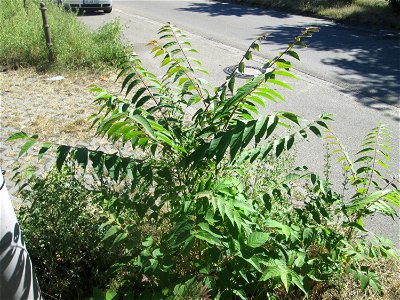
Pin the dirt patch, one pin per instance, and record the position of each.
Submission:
(56, 110)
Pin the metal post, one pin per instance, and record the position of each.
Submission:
(47, 32)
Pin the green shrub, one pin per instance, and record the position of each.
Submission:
(22, 41)
(194, 195)
(61, 224)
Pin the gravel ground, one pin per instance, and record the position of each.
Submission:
(55, 110)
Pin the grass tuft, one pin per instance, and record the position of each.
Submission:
(22, 41)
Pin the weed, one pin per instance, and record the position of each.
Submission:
(61, 224)
(196, 203)
(75, 47)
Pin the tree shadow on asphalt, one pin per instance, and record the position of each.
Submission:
(370, 71)
(215, 9)
(370, 68)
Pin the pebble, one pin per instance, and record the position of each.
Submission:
(56, 78)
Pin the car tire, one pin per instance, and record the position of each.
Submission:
(108, 10)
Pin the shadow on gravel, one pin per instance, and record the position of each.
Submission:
(216, 9)
(367, 62)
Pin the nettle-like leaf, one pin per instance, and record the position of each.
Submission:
(257, 239)
(366, 278)
(227, 203)
(278, 269)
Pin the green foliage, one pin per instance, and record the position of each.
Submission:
(205, 210)
(22, 41)
(62, 230)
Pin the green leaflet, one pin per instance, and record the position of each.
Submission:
(280, 83)
(113, 230)
(285, 73)
(116, 127)
(81, 156)
(362, 203)
(208, 237)
(120, 238)
(126, 80)
(111, 295)
(244, 91)
(62, 153)
(291, 116)
(282, 228)
(261, 128)
(25, 147)
(45, 147)
(146, 125)
(316, 131)
(131, 85)
(257, 239)
(17, 135)
(279, 146)
(108, 122)
(293, 54)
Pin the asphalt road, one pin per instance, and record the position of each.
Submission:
(353, 73)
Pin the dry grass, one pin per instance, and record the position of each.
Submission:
(55, 110)
(389, 273)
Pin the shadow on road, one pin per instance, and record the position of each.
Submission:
(366, 63)
(215, 9)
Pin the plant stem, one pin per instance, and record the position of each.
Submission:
(374, 160)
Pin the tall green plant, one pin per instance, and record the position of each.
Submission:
(198, 228)
(75, 46)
